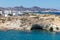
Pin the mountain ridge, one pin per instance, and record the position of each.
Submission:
(34, 8)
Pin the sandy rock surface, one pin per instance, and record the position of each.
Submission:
(26, 21)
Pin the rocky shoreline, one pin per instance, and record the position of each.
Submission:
(31, 21)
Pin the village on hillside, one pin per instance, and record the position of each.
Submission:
(18, 10)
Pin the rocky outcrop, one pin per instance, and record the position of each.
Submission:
(31, 22)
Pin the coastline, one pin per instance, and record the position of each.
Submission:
(31, 21)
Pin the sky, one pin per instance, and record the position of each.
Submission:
(30, 3)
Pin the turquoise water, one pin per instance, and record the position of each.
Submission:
(32, 35)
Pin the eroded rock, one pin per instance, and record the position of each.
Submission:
(24, 22)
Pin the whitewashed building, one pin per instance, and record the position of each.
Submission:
(11, 13)
(1, 12)
(14, 13)
(6, 12)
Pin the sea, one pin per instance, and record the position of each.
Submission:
(29, 35)
(56, 13)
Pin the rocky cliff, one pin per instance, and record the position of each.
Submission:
(31, 21)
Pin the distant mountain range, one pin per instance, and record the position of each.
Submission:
(33, 9)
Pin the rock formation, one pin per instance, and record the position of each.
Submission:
(31, 21)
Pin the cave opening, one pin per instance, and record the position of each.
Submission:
(36, 27)
(51, 29)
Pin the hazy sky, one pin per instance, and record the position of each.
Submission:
(30, 3)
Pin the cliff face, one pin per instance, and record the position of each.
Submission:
(30, 22)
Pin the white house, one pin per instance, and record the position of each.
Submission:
(6, 15)
(7, 11)
(19, 13)
(0, 12)
(14, 12)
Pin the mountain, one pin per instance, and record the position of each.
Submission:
(33, 9)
